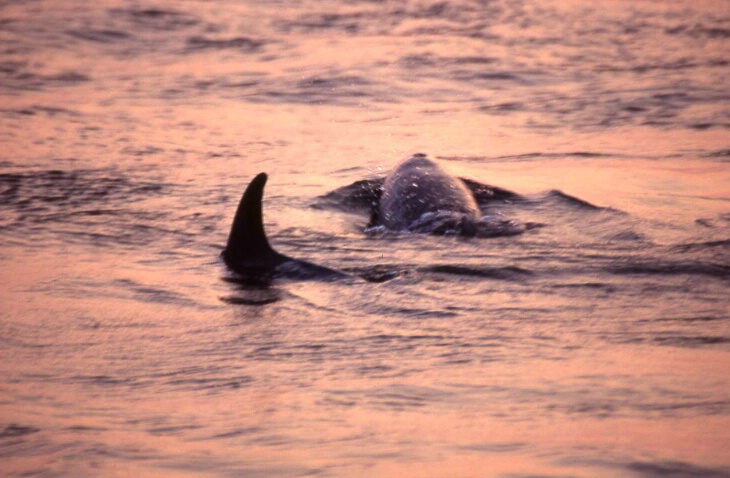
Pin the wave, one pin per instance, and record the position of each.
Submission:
(246, 44)
(671, 268)
(664, 469)
(510, 273)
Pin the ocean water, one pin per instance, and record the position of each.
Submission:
(594, 345)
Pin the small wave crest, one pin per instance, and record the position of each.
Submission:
(510, 273)
(678, 268)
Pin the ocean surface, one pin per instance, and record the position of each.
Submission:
(596, 344)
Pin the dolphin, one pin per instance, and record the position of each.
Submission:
(418, 193)
(420, 196)
(248, 251)
(417, 196)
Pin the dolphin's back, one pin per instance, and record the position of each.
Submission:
(418, 186)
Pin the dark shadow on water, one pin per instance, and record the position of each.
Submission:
(675, 469)
(14, 431)
(498, 273)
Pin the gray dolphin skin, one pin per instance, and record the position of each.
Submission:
(419, 196)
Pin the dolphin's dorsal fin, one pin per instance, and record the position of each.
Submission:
(247, 245)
